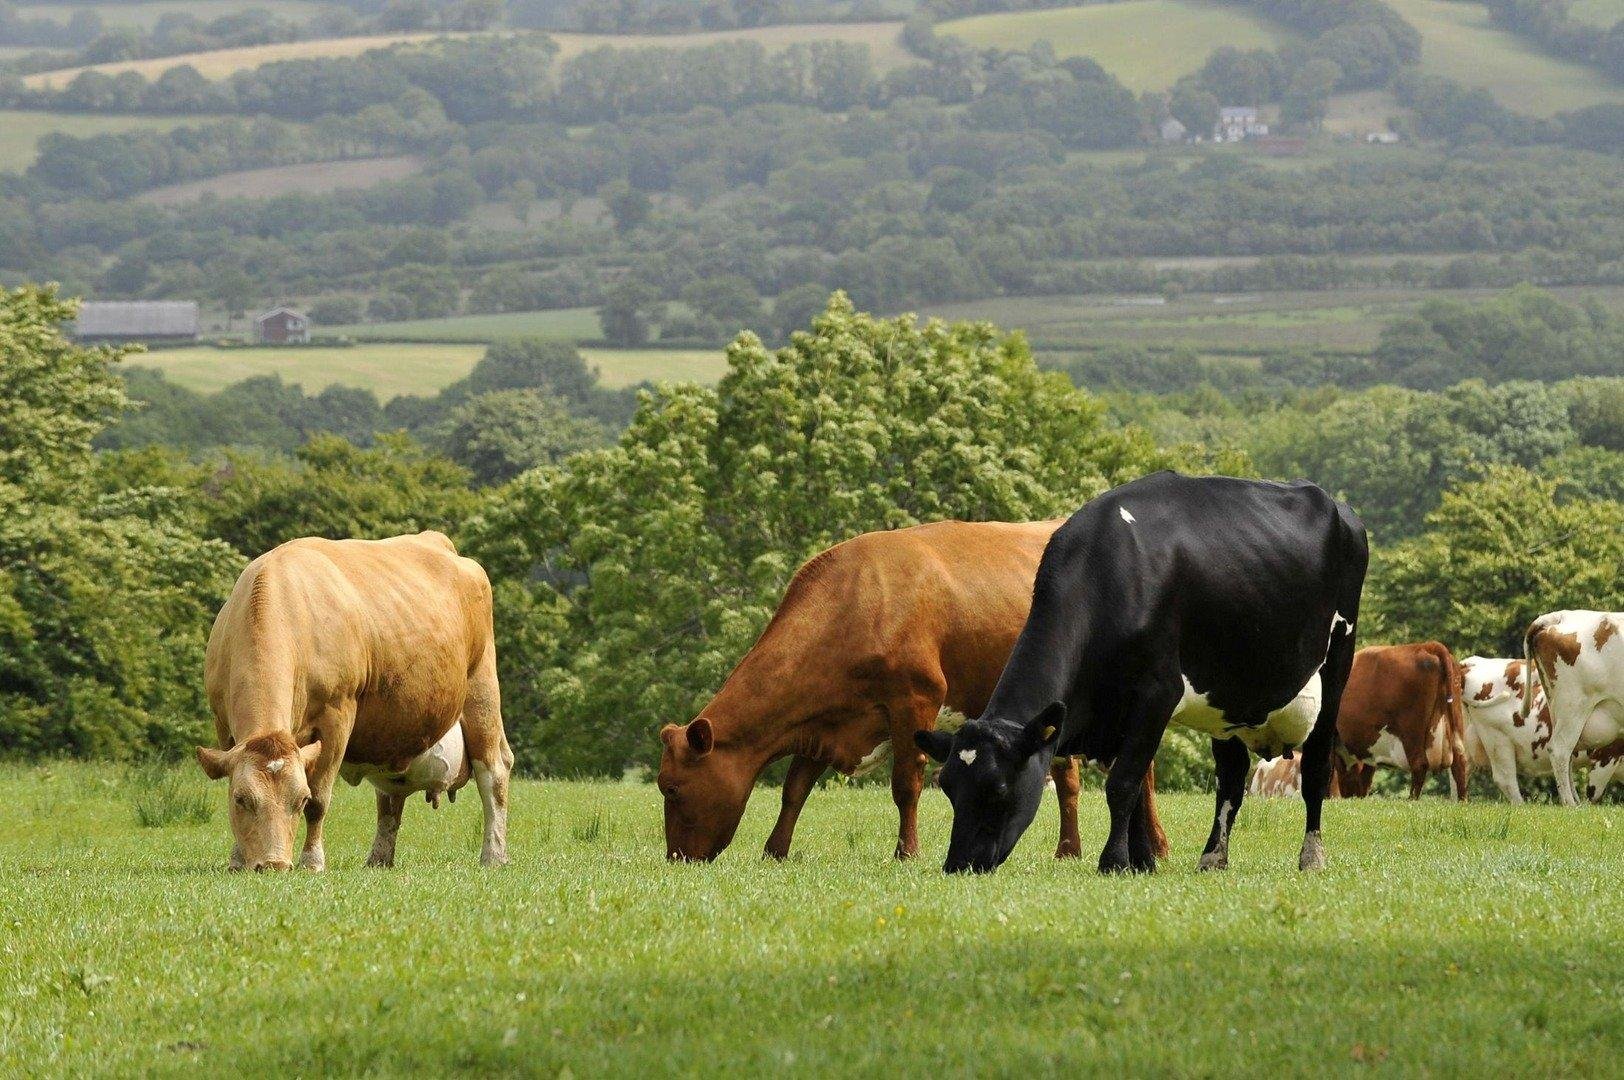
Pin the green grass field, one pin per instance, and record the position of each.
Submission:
(571, 323)
(1459, 43)
(20, 130)
(146, 13)
(388, 369)
(1442, 940)
(1602, 13)
(1148, 44)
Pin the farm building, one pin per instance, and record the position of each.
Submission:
(282, 326)
(147, 321)
(1237, 123)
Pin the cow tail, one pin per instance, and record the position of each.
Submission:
(1531, 666)
(1454, 690)
(1153, 822)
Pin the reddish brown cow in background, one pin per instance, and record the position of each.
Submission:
(872, 639)
(1401, 708)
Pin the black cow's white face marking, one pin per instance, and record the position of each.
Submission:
(994, 777)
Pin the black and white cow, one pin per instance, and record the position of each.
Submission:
(1224, 605)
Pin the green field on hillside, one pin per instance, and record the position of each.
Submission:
(20, 130)
(1603, 13)
(1442, 940)
(572, 323)
(146, 13)
(1148, 44)
(1458, 42)
(388, 368)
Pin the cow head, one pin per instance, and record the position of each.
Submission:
(269, 790)
(993, 773)
(705, 792)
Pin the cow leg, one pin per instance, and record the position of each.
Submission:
(390, 808)
(1316, 751)
(1562, 746)
(803, 775)
(1503, 767)
(1600, 776)
(916, 713)
(1232, 760)
(490, 757)
(332, 726)
(1145, 720)
(1458, 774)
(1418, 775)
(1068, 782)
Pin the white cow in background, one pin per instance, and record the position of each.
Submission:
(1579, 657)
(1512, 741)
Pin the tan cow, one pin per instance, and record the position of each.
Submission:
(1579, 658)
(354, 656)
(1277, 778)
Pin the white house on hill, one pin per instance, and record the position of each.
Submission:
(1237, 123)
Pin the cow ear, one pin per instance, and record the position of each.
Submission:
(309, 754)
(215, 762)
(1044, 729)
(935, 744)
(701, 737)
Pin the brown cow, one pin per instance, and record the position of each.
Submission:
(360, 655)
(872, 639)
(1401, 708)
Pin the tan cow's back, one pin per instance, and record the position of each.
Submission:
(398, 625)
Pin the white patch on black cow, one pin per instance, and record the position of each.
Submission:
(1129, 518)
(1283, 729)
(967, 756)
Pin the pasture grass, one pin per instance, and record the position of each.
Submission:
(883, 39)
(564, 323)
(1459, 42)
(20, 130)
(145, 14)
(1443, 939)
(1601, 13)
(392, 368)
(314, 178)
(1148, 44)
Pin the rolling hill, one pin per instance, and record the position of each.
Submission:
(20, 130)
(881, 38)
(1148, 44)
(1458, 42)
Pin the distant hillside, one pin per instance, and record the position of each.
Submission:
(1148, 44)
(1459, 43)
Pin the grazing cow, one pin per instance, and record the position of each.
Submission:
(1579, 658)
(357, 657)
(1224, 605)
(1401, 709)
(1277, 778)
(872, 638)
(1512, 743)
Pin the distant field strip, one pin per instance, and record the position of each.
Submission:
(1458, 42)
(314, 179)
(390, 369)
(1603, 13)
(220, 63)
(881, 38)
(146, 14)
(573, 324)
(20, 130)
(1148, 44)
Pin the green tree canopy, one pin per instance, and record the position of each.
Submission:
(643, 571)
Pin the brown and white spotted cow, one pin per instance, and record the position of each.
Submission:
(370, 658)
(1401, 709)
(1510, 742)
(1579, 656)
(1278, 778)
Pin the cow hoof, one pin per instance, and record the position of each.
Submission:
(1313, 856)
(380, 863)
(1068, 851)
(1213, 860)
(491, 858)
(315, 861)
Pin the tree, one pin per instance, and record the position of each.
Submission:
(1495, 554)
(105, 592)
(1308, 93)
(521, 199)
(627, 312)
(499, 435)
(628, 206)
(645, 570)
